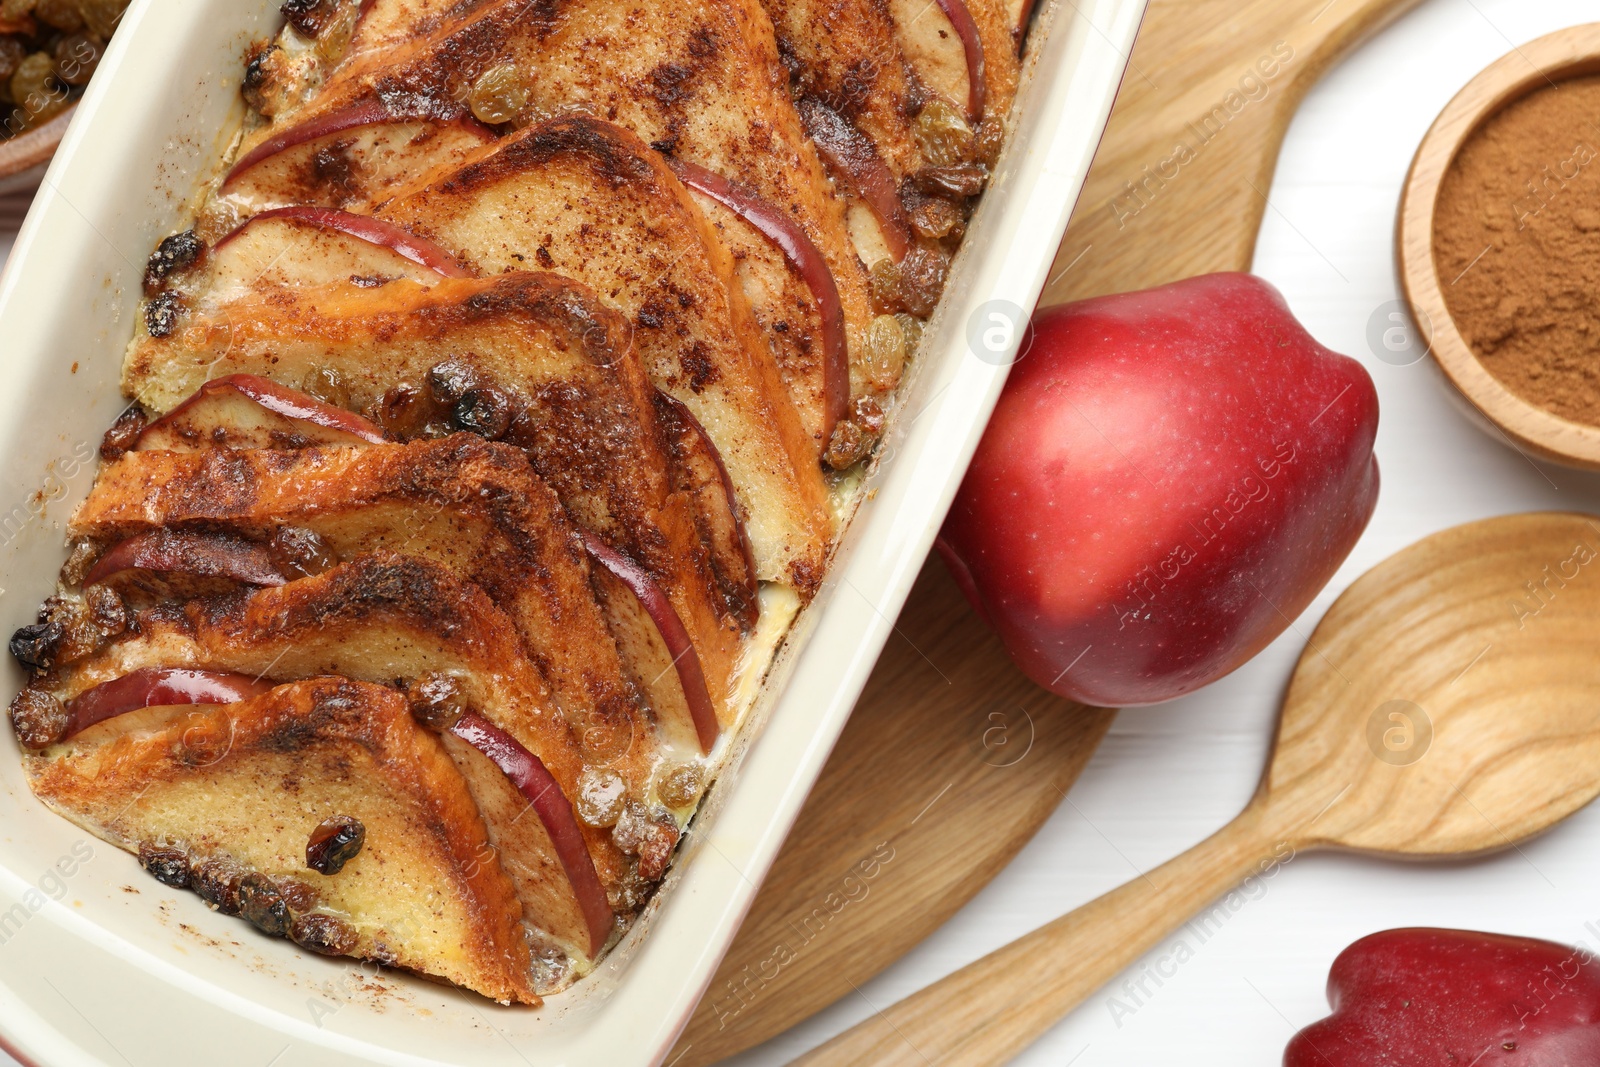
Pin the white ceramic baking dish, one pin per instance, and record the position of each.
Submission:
(101, 965)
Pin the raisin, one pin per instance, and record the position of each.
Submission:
(335, 842)
(12, 53)
(124, 434)
(328, 385)
(176, 253)
(935, 218)
(169, 866)
(407, 413)
(77, 55)
(485, 411)
(300, 553)
(62, 14)
(162, 313)
(922, 277)
(498, 96)
(309, 17)
(102, 16)
(79, 562)
(847, 446)
(106, 610)
(258, 74)
(218, 883)
(959, 180)
(449, 381)
(681, 785)
(262, 904)
(942, 133)
(324, 934)
(601, 796)
(39, 719)
(437, 701)
(35, 646)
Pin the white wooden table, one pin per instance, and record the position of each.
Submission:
(1167, 777)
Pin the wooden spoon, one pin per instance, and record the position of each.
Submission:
(1448, 705)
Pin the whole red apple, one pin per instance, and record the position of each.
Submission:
(1168, 480)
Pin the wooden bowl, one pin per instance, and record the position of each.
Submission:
(1565, 54)
(23, 159)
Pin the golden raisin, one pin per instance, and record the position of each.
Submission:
(942, 133)
(601, 796)
(499, 95)
(681, 785)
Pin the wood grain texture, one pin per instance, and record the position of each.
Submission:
(1445, 706)
(948, 767)
(1180, 183)
(1566, 53)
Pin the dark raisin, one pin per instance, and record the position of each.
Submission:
(922, 278)
(867, 413)
(77, 55)
(649, 835)
(35, 646)
(991, 139)
(324, 934)
(449, 381)
(959, 180)
(169, 866)
(12, 53)
(407, 413)
(162, 313)
(300, 553)
(437, 701)
(62, 14)
(258, 73)
(334, 843)
(218, 883)
(309, 17)
(485, 411)
(39, 719)
(299, 896)
(174, 254)
(106, 610)
(124, 434)
(262, 904)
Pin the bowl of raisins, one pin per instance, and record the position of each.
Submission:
(48, 51)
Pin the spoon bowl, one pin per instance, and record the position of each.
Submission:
(1448, 705)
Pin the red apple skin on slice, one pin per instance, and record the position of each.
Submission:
(203, 555)
(685, 660)
(543, 793)
(806, 259)
(153, 687)
(247, 411)
(851, 156)
(418, 250)
(966, 28)
(351, 156)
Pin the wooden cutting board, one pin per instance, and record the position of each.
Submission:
(952, 759)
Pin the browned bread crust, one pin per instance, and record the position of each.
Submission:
(238, 789)
(585, 413)
(389, 619)
(590, 200)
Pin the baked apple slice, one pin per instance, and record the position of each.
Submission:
(965, 51)
(590, 200)
(703, 84)
(392, 619)
(546, 367)
(224, 799)
(248, 411)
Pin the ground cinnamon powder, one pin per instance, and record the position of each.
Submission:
(1516, 241)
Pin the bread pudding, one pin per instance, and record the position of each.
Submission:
(488, 426)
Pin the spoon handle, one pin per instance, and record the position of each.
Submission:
(992, 1009)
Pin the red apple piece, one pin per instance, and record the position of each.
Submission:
(1169, 478)
(966, 28)
(157, 687)
(534, 781)
(237, 402)
(848, 153)
(418, 250)
(685, 660)
(205, 555)
(806, 259)
(368, 112)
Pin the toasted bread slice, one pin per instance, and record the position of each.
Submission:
(702, 83)
(584, 409)
(425, 892)
(355, 158)
(600, 207)
(388, 618)
(474, 507)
